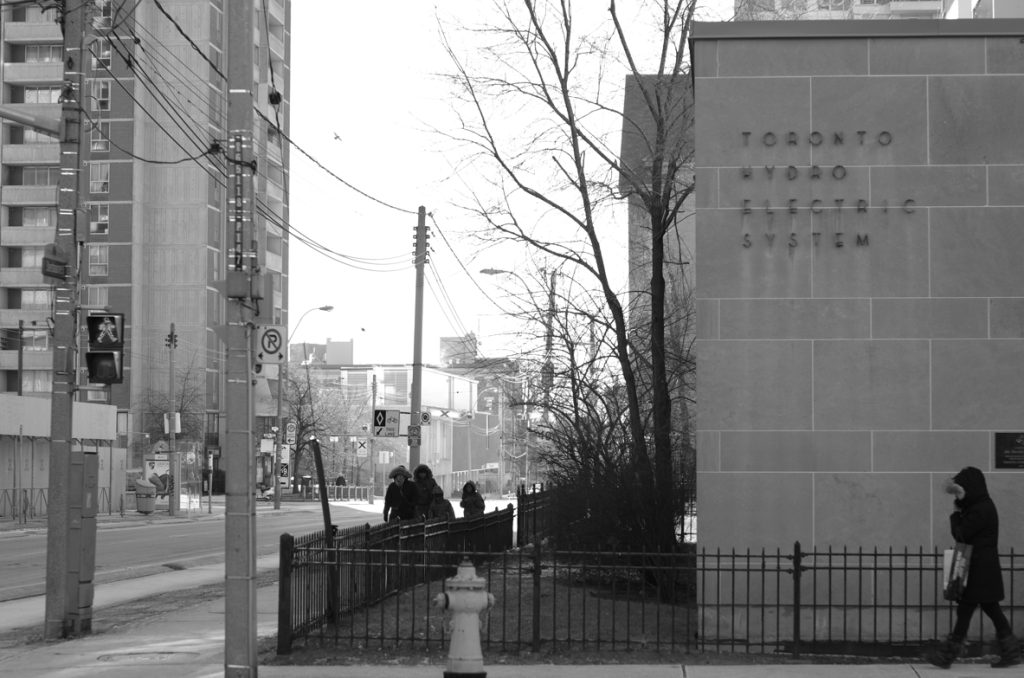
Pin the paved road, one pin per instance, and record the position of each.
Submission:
(136, 550)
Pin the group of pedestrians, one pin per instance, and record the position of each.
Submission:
(417, 496)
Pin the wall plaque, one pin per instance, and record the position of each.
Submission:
(1010, 450)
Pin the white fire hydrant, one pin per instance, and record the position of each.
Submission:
(466, 596)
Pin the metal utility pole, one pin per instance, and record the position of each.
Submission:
(73, 476)
(172, 428)
(243, 287)
(417, 341)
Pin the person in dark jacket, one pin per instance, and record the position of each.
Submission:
(423, 478)
(439, 506)
(400, 499)
(472, 501)
(976, 522)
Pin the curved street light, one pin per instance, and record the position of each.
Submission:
(282, 374)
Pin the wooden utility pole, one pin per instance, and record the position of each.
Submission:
(241, 288)
(73, 475)
(417, 342)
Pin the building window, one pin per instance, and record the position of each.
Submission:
(99, 140)
(99, 177)
(38, 54)
(34, 136)
(101, 54)
(35, 340)
(97, 295)
(99, 260)
(103, 17)
(36, 381)
(99, 218)
(39, 176)
(41, 95)
(101, 95)
(39, 217)
(36, 300)
(24, 257)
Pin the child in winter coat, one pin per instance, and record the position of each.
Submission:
(472, 501)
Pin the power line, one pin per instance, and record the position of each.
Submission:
(324, 168)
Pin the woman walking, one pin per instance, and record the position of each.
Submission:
(976, 522)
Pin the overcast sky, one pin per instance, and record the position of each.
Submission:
(366, 96)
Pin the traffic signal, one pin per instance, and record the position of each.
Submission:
(104, 359)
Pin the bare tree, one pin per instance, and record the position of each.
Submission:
(189, 402)
(541, 64)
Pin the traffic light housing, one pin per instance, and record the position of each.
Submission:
(104, 359)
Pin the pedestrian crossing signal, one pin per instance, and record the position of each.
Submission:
(104, 358)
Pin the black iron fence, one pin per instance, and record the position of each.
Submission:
(393, 557)
(873, 603)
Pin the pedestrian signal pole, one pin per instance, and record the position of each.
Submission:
(74, 473)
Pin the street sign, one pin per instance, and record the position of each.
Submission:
(270, 344)
(414, 434)
(385, 422)
(361, 449)
(425, 418)
(289, 433)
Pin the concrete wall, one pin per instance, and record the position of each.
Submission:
(860, 291)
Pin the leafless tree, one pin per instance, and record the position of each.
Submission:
(557, 176)
(189, 401)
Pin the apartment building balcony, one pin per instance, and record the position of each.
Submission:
(9, 317)
(273, 261)
(22, 277)
(28, 195)
(276, 46)
(25, 32)
(31, 360)
(48, 72)
(276, 8)
(25, 236)
(31, 154)
(275, 193)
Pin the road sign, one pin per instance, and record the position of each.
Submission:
(414, 434)
(425, 418)
(289, 433)
(270, 344)
(385, 422)
(361, 449)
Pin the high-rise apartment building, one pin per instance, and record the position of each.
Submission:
(151, 226)
(777, 10)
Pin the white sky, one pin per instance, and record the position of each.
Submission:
(367, 71)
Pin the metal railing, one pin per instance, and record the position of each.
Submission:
(368, 564)
(873, 603)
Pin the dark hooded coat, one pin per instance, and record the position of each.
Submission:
(472, 501)
(423, 477)
(976, 522)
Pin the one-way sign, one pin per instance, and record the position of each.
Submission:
(385, 422)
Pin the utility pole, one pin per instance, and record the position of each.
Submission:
(172, 427)
(417, 342)
(73, 475)
(242, 288)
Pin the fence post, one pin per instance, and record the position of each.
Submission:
(284, 595)
(797, 568)
(536, 595)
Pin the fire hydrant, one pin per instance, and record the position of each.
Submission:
(466, 596)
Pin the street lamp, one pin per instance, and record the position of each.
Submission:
(282, 374)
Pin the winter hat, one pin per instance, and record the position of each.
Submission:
(399, 471)
(438, 492)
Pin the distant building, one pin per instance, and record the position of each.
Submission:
(459, 350)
